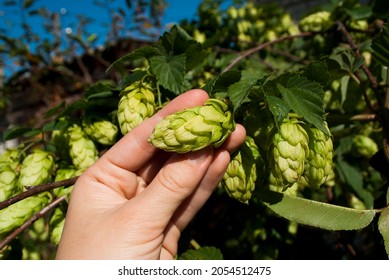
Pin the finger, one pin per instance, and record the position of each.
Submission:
(133, 150)
(172, 185)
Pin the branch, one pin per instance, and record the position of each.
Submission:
(262, 46)
(37, 189)
(30, 221)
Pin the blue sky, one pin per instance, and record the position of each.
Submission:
(69, 9)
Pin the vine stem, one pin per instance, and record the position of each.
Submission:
(262, 46)
(30, 221)
(37, 189)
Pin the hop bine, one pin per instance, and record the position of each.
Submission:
(287, 154)
(241, 174)
(136, 104)
(194, 128)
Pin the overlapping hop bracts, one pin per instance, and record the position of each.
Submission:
(136, 104)
(316, 22)
(241, 174)
(287, 154)
(102, 131)
(318, 165)
(194, 128)
(8, 182)
(57, 223)
(64, 174)
(82, 150)
(18, 213)
(364, 146)
(37, 168)
(9, 173)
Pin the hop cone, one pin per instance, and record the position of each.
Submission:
(241, 174)
(364, 146)
(194, 128)
(16, 214)
(82, 150)
(136, 104)
(10, 157)
(316, 22)
(8, 181)
(103, 132)
(63, 174)
(318, 165)
(36, 168)
(287, 154)
(57, 222)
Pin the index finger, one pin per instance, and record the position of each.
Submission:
(133, 150)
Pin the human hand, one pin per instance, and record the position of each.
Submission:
(134, 202)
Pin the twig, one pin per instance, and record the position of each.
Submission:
(262, 46)
(37, 189)
(30, 221)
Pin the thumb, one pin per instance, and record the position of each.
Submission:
(177, 180)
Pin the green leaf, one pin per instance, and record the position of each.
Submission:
(203, 253)
(223, 82)
(383, 227)
(360, 12)
(170, 71)
(354, 178)
(347, 60)
(19, 131)
(305, 97)
(318, 72)
(380, 46)
(315, 213)
(278, 107)
(239, 92)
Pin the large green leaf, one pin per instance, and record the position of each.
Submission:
(380, 46)
(315, 213)
(305, 97)
(383, 226)
(239, 92)
(278, 107)
(170, 71)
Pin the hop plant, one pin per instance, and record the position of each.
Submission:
(63, 174)
(241, 174)
(82, 149)
(318, 166)
(57, 222)
(287, 154)
(102, 131)
(18, 213)
(36, 168)
(136, 104)
(194, 128)
(10, 157)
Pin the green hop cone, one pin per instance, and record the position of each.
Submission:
(364, 145)
(64, 174)
(18, 213)
(316, 22)
(57, 222)
(241, 174)
(287, 154)
(102, 131)
(194, 128)
(36, 168)
(136, 104)
(318, 165)
(10, 157)
(82, 149)
(8, 181)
